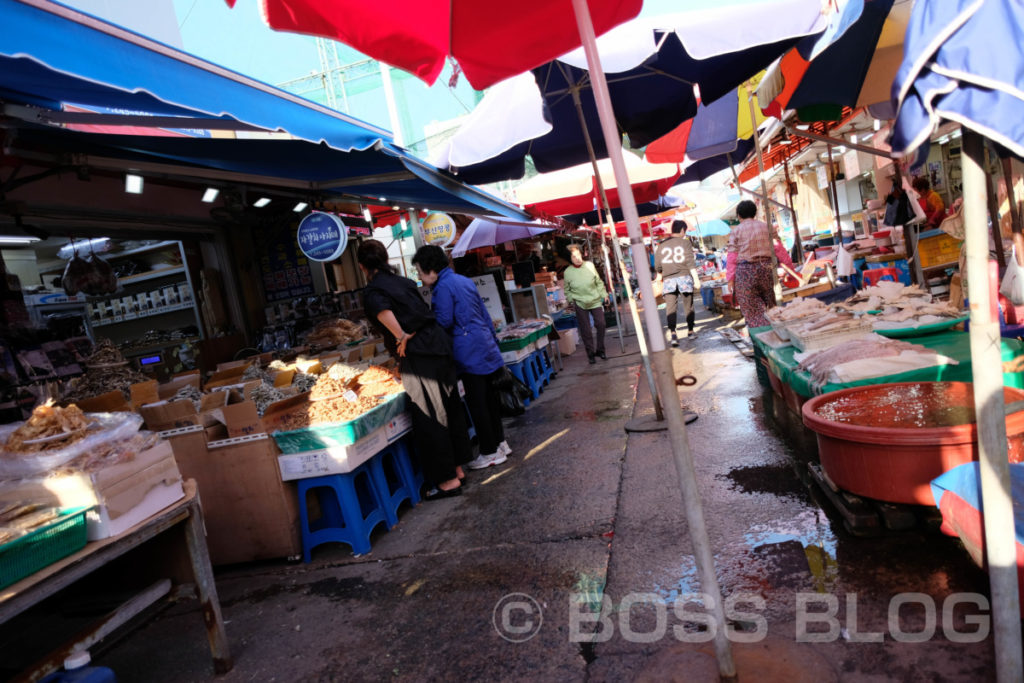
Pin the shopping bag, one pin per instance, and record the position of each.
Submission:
(1012, 286)
(659, 287)
(512, 393)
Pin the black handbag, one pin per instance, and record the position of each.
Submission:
(512, 392)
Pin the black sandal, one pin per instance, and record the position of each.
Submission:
(438, 494)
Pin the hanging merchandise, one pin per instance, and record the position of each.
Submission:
(1012, 286)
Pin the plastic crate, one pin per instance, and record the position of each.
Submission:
(810, 341)
(343, 433)
(515, 344)
(938, 250)
(42, 547)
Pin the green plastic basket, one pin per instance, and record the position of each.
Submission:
(43, 546)
(342, 433)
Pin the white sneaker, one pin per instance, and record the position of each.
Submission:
(482, 461)
(504, 449)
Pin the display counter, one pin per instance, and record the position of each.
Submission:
(954, 344)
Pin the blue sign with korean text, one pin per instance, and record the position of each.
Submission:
(322, 236)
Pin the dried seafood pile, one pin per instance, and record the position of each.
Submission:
(378, 381)
(106, 370)
(111, 453)
(333, 382)
(263, 394)
(21, 517)
(801, 308)
(303, 381)
(335, 332)
(59, 426)
(898, 306)
(344, 396)
(191, 393)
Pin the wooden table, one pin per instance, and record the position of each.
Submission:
(185, 513)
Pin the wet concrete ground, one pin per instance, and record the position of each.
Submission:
(584, 515)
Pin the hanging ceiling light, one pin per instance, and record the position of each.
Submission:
(210, 195)
(261, 202)
(132, 183)
(300, 207)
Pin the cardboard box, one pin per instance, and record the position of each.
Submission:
(250, 513)
(110, 402)
(342, 459)
(119, 491)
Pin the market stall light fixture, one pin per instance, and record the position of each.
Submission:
(395, 207)
(132, 183)
(300, 207)
(210, 195)
(261, 202)
(877, 125)
(366, 214)
(17, 239)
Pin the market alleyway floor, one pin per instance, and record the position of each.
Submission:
(583, 510)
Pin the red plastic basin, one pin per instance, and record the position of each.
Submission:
(888, 441)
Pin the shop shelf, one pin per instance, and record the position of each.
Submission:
(143, 314)
(151, 275)
(42, 547)
(343, 433)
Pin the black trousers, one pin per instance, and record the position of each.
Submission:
(485, 410)
(671, 302)
(586, 334)
(439, 428)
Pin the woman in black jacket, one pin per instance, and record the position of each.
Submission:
(394, 306)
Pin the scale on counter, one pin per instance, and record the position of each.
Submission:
(150, 361)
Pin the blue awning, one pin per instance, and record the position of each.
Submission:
(52, 56)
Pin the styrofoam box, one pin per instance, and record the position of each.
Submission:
(343, 459)
(542, 342)
(516, 356)
(100, 525)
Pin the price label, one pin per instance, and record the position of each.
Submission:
(350, 396)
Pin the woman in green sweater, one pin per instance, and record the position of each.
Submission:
(583, 287)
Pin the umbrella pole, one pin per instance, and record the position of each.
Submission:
(776, 285)
(660, 355)
(987, 375)
(618, 256)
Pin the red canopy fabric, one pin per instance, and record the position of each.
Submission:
(491, 41)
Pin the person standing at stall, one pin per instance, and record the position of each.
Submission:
(585, 290)
(397, 311)
(752, 244)
(460, 311)
(677, 270)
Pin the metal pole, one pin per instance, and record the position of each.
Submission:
(776, 284)
(615, 245)
(660, 355)
(987, 375)
(1018, 234)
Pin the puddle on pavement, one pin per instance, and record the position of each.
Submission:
(601, 412)
(777, 480)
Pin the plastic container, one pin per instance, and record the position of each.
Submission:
(43, 546)
(77, 670)
(888, 441)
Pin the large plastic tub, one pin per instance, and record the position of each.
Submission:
(888, 441)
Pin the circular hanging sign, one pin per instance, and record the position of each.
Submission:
(322, 236)
(438, 229)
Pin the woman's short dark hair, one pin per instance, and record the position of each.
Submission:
(430, 258)
(746, 209)
(373, 255)
(921, 184)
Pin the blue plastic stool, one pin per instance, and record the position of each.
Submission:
(350, 506)
(524, 372)
(410, 460)
(394, 483)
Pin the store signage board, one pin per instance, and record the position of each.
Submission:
(488, 291)
(438, 229)
(322, 236)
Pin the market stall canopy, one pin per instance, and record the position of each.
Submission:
(420, 35)
(696, 171)
(852, 64)
(714, 227)
(645, 209)
(653, 66)
(962, 63)
(574, 190)
(487, 232)
(53, 58)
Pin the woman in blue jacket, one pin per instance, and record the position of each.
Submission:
(461, 313)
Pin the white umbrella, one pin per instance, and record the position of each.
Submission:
(487, 232)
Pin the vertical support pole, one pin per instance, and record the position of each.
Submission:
(661, 357)
(987, 375)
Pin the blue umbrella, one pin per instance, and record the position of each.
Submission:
(705, 168)
(713, 227)
(961, 63)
